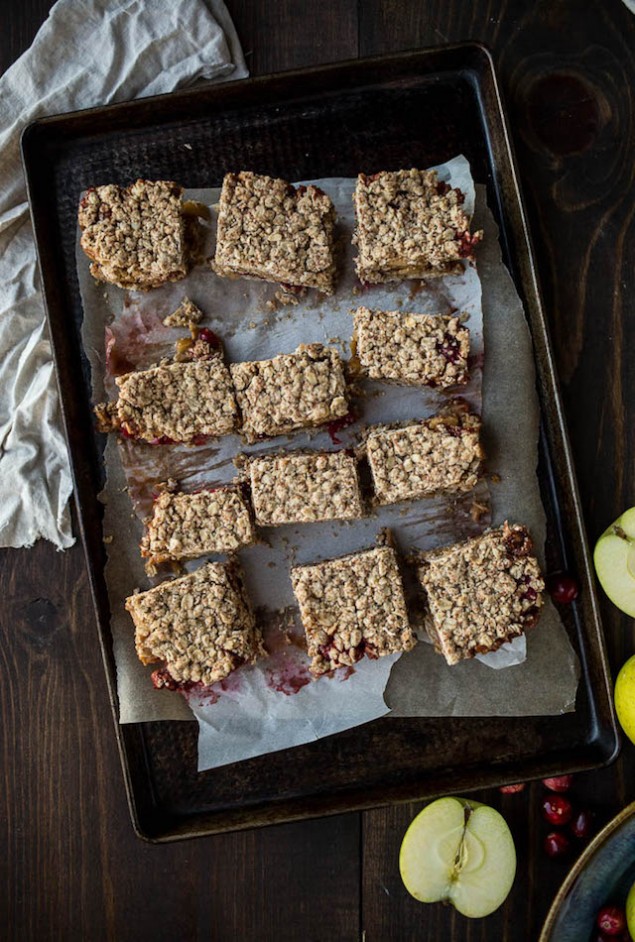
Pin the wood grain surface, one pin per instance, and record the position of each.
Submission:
(72, 867)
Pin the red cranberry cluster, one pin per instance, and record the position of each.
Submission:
(611, 923)
(559, 811)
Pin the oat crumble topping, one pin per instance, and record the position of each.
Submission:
(415, 349)
(352, 607)
(481, 593)
(185, 526)
(291, 391)
(136, 236)
(409, 225)
(176, 401)
(271, 230)
(201, 625)
(438, 455)
(186, 314)
(304, 487)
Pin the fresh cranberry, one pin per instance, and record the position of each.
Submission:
(557, 809)
(556, 845)
(512, 789)
(559, 783)
(611, 920)
(562, 588)
(582, 824)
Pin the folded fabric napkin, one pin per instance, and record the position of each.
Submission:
(87, 53)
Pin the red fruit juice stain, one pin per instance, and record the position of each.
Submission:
(337, 425)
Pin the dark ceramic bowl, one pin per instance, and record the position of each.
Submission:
(604, 873)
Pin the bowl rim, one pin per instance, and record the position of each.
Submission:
(598, 841)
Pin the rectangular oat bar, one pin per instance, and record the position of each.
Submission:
(137, 236)
(439, 455)
(176, 402)
(271, 230)
(410, 225)
(352, 607)
(414, 349)
(482, 593)
(303, 487)
(185, 526)
(291, 391)
(200, 626)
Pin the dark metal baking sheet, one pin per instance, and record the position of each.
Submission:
(414, 109)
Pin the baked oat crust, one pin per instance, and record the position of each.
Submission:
(185, 315)
(410, 225)
(291, 391)
(439, 455)
(175, 401)
(352, 607)
(482, 593)
(270, 230)
(414, 349)
(185, 526)
(201, 625)
(136, 236)
(303, 487)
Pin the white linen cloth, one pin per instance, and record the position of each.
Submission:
(87, 53)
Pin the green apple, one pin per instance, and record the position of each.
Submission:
(459, 851)
(614, 559)
(624, 697)
(630, 911)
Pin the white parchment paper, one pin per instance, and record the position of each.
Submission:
(276, 704)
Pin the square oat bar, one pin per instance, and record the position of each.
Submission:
(414, 349)
(176, 402)
(185, 526)
(481, 593)
(138, 236)
(303, 487)
(271, 230)
(200, 626)
(352, 607)
(410, 225)
(292, 391)
(439, 455)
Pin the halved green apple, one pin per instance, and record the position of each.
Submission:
(614, 559)
(459, 851)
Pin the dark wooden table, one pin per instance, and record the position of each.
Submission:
(73, 868)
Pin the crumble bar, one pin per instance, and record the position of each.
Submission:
(291, 391)
(184, 526)
(176, 402)
(186, 315)
(482, 593)
(438, 455)
(352, 607)
(201, 625)
(409, 225)
(138, 236)
(414, 349)
(271, 230)
(301, 487)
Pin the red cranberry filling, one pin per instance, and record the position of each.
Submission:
(467, 244)
(209, 337)
(338, 424)
(162, 440)
(450, 348)
(163, 680)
